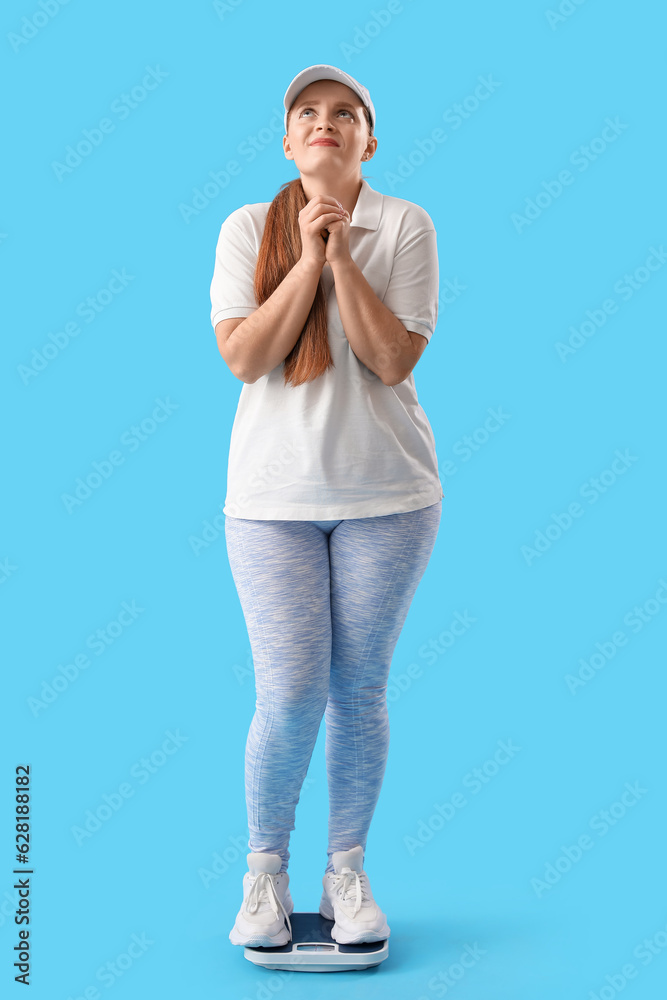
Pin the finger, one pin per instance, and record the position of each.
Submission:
(331, 204)
(324, 199)
(328, 220)
(331, 215)
(316, 209)
(337, 224)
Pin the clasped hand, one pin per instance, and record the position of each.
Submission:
(325, 233)
(337, 245)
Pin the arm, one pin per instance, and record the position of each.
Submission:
(263, 340)
(376, 336)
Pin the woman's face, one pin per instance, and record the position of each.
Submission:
(328, 110)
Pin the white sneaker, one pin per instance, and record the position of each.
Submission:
(347, 899)
(263, 920)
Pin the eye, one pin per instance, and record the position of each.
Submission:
(344, 110)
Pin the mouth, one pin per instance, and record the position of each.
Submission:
(324, 142)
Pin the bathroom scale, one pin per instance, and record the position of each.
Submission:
(312, 949)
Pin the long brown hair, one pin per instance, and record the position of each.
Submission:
(279, 251)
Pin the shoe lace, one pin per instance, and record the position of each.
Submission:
(263, 889)
(353, 885)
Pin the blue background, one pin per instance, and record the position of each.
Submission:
(166, 863)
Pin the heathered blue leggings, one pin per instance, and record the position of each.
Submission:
(324, 604)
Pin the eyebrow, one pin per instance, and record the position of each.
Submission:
(338, 104)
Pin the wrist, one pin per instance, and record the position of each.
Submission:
(310, 265)
(343, 265)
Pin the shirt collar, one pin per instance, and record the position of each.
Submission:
(368, 209)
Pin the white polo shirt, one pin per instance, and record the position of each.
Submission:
(343, 445)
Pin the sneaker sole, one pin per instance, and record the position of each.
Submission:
(260, 939)
(345, 937)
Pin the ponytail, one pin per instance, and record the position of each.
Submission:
(279, 251)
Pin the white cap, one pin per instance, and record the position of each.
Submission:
(324, 72)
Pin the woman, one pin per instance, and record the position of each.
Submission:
(322, 302)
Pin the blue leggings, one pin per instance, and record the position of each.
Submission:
(324, 604)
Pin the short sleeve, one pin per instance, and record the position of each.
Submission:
(412, 292)
(234, 272)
